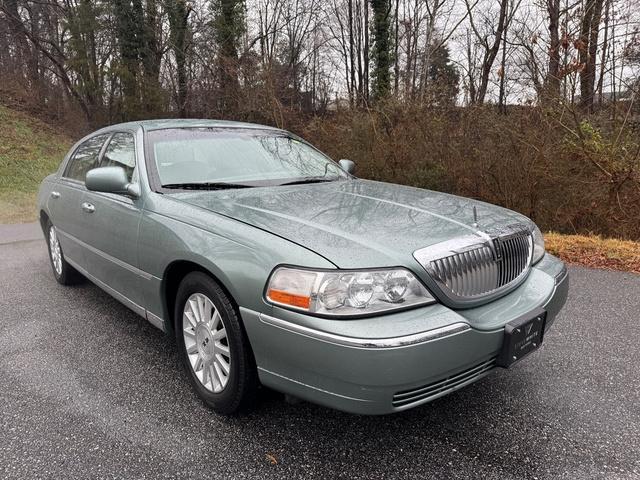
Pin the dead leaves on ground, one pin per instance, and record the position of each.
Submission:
(595, 251)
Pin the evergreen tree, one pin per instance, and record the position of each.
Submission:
(178, 12)
(129, 18)
(228, 27)
(382, 57)
(443, 77)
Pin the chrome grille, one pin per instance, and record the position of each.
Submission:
(468, 274)
(471, 268)
(446, 385)
(515, 252)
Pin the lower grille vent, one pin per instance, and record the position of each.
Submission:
(442, 386)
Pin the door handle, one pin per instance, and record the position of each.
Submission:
(87, 207)
(55, 195)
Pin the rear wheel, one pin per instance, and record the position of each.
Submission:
(64, 273)
(213, 346)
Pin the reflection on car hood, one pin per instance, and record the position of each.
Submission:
(356, 223)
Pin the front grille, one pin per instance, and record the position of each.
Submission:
(441, 387)
(515, 251)
(468, 274)
(471, 268)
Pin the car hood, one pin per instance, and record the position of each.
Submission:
(356, 223)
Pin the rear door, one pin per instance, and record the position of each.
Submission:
(67, 198)
(112, 233)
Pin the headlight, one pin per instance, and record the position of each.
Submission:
(346, 292)
(538, 245)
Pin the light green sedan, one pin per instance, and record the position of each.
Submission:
(272, 265)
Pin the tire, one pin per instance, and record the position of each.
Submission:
(211, 345)
(64, 273)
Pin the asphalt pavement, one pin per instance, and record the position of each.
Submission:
(88, 389)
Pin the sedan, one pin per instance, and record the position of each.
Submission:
(270, 264)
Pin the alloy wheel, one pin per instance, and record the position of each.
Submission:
(54, 249)
(206, 342)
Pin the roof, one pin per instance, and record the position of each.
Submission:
(160, 124)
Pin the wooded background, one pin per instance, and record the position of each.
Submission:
(531, 104)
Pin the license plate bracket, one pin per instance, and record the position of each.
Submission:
(521, 337)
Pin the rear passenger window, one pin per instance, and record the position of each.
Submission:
(121, 153)
(85, 158)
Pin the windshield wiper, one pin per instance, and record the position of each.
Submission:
(309, 180)
(205, 185)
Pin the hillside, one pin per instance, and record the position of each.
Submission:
(29, 151)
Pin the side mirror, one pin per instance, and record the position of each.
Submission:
(348, 166)
(111, 180)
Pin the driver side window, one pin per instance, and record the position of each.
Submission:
(121, 153)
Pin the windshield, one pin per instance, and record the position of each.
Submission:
(236, 157)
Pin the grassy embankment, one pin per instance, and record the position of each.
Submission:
(30, 150)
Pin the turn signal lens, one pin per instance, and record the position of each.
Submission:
(346, 292)
(289, 298)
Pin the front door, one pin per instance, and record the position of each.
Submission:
(112, 238)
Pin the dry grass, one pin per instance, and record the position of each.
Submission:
(17, 207)
(595, 251)
(29, 151)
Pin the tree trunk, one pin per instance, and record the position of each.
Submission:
(366, 51)
(589, 29)
(352, 67)
(491, 53)
(228, 31)
(502, 107)
(396, 45)
(552, 80)
(605, 49)
(151, 58)
(359, 53)
(178, 25)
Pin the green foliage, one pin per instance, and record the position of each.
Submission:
(228, 28)
(591, 135)
(613, 153)
(129, 17)
(29, 151)
(178, 12)
(382, 56)
(84, 21)
(228, 25)
(443, 77)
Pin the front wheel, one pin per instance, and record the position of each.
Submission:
(213, 346)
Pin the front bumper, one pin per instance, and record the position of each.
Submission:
(398, 361)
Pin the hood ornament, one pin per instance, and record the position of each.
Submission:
(475, 217)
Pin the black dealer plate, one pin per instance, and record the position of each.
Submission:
(521, 337)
